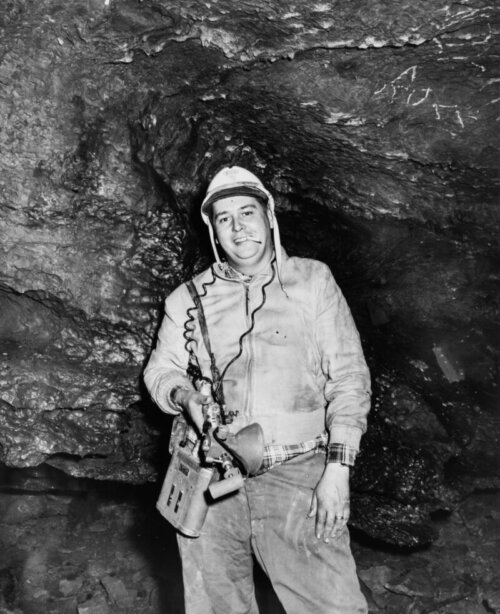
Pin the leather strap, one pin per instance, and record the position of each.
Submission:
(204, 332)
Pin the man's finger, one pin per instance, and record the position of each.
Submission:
(341, 519)
(195, 412)
(320, 522)
(346, 511)
(312, 509)
(328, 527)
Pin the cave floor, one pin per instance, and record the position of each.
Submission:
(103, 549)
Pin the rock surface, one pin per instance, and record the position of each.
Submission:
(375, 125)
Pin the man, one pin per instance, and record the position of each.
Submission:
(291, 360)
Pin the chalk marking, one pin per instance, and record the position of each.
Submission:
(438, 43)
(479, 66)
(485, 39)
(423, 99)
(413, 73)
(457, 113)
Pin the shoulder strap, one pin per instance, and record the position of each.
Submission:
(204, 332)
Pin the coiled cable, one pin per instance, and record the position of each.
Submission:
(194, 368)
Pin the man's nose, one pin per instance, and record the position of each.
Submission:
(237, 224)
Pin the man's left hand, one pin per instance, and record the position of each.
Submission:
(330, 501)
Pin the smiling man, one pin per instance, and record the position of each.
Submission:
(291, 359)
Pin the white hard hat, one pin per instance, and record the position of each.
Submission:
(234, 181)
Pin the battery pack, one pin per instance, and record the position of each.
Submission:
(183, 497)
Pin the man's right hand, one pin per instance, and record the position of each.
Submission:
(192, 403)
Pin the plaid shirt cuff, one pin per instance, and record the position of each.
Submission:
(340, 453)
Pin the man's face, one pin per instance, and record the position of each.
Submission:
(243, 227)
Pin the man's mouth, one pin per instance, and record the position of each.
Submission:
(239, 240)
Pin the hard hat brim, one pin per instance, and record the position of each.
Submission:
(235, 190)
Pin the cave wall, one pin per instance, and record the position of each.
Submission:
(376, 126)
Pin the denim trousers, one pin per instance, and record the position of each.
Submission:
(268, 517)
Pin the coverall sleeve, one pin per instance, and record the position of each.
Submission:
(167, 364)
(347, 388)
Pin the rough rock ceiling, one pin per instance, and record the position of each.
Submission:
(375, 124)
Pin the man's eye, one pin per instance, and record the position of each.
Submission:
(250, 212)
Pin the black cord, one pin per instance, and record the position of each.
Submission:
(249, 330)
(194, 368)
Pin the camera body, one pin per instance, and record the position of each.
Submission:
(204, 470)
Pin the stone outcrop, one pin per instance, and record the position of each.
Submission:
(375, 125)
